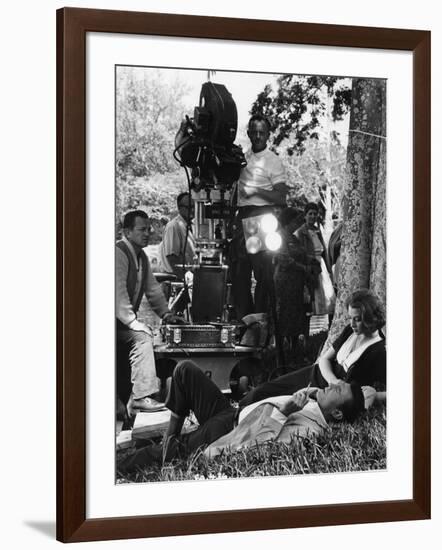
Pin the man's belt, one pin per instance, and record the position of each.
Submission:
(256, 210)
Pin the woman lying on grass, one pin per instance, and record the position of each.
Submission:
(357, 355)
(302, 416)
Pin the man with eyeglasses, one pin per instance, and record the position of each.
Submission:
(178, 244)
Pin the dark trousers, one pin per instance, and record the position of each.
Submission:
(192, 390)
(283, 385)
(261, 265)
(243, 264)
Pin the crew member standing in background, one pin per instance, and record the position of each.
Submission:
(261, 188)
(319, 281)
(178, 244)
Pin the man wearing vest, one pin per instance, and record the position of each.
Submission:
(134, 278)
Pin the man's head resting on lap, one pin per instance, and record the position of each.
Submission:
(341, 401)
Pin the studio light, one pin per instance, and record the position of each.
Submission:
(253, 245)
(251, 225)
(273, 241)
(260, 233)
(269, 223)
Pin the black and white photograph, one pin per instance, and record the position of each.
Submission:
(250, 274)
(221, 228)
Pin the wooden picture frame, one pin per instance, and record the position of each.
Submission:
(72, 26)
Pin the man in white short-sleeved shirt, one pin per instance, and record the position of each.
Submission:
(262, 181)
(261, 188)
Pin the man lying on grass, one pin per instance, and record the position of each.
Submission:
(304, 414)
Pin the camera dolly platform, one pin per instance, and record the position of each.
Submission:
(217, 363)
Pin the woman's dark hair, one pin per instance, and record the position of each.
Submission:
(311, 206)
(287, 215)
(372, 311)
(351, 410)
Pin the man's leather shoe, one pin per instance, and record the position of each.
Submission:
(145, 404)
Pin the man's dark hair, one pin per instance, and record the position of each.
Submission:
(311, 206)
(129, 218)
(259, 118)
(351, 410)
(180, 197)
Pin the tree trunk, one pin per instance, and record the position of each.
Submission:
(363, 246)
(328, 222)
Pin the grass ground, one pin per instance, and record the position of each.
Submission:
(345, 448)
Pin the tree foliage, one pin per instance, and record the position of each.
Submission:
(322, 163)
(149, 112)
(155, 195)
(299, 104)
(303, 111)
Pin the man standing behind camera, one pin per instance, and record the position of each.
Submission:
(261, 187)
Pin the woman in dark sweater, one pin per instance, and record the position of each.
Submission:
(358, 354)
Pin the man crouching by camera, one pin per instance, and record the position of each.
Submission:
(137, 382)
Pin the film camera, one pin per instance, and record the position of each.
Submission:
(205, 143)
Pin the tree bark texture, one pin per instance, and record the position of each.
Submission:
(363, 246)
